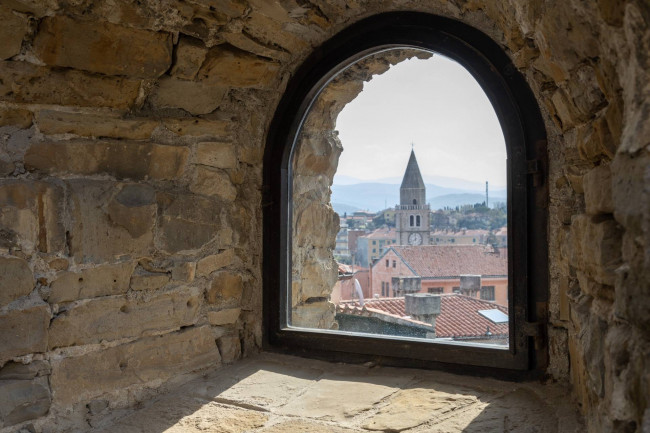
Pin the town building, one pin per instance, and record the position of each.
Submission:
(372, 245)
(460, 237)
(440, 268)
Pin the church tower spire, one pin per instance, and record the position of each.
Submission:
(412, 214)
(412, 191)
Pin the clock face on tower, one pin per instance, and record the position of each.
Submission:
(415, 239)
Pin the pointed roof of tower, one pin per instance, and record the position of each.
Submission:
(412, 176)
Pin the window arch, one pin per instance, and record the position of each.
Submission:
(524, 133)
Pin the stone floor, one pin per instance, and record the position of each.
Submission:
(278, 394)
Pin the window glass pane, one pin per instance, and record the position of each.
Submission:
(415, 162)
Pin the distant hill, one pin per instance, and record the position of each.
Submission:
(377, 196)
(342, 209)
(453, 200)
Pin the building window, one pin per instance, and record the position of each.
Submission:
(387, 261)
(415, 201)
(374, 242)
(417, 220)
(455, 289)
(487, 293)
(286, 220)
(394, 263)
(435, 290)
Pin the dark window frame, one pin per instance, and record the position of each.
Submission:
(521, 122)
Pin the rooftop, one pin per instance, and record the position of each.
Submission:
(459, 315)
(439, 261)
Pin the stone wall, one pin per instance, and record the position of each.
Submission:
(131, 137)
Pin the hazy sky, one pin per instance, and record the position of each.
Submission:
(437, 105)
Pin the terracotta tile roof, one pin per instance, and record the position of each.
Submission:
(459, 317)
(439, 261)
(383, 233)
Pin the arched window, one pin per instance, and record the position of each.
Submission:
(417, 220)
(415, 201)
(294, 228)
(411, 223)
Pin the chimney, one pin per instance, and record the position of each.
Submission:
(470, 285)
(424, 307)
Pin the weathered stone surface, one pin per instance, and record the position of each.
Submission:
(266, 384)
(316, 215)
(235, 68)
(59, 264)
(17, 371)
(31, 216)
(103, 47)
(150, 359)
(23, 331)
(314, 315)
(15, 117)
(12, 32)
(597, 185)
(229, 348)
(25, 83)
(323, 399)
(596, 247)
(184, 271)
(16, 279)
(94, 238)
(193, 96)
(226, 287)
(94, 125)
(112, 318)
(211, 263)
(414, 406)
(189, 56)
(199, 127)
(187, 222)
(118, 158)
(23, 400)
(304, 426)
(192, 416)
(215, 154)
(213, 182)
(149, 281)
(224, 317)
(103, 280)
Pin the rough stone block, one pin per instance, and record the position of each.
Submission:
(103, 280)
(94, 237)
(118, 158)
(211, 263)
(218, 129)
(16, 279)
(215, 154)
(113, 318)
(22, 82)
(229, 348)
(314, 315)
(94, 125)
(224, 317)
(187, 221)
(226, 287)
(15, 117)
(213, 182)
(13, 30)
(184, 271)
(23, 400)
(316, 215)
(193, 96)
(149, 281)
(597, 185)
(18, 371)
(151, 359)
(596, 247)
(23, 332)
(235, 68)
(103, 47)
(31, 216)
(190, 54)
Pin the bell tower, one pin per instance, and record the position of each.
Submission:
(412, 214)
